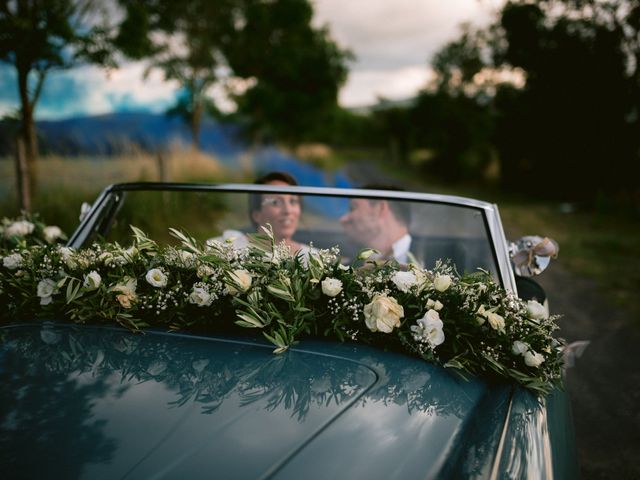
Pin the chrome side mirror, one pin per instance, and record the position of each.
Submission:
(532, 254)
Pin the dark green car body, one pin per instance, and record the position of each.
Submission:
(102, 403)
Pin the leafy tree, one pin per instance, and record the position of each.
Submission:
(185, 40)
(38, 36)
(581, 123)
(567, 128)
(297, 70)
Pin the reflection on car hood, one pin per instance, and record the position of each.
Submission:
(91, 402)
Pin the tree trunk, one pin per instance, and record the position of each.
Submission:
(28, 131)
(22, 176)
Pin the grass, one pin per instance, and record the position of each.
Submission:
(65, 183)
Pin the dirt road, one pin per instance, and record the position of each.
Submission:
(604, 385)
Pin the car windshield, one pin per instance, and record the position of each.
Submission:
(407, 227)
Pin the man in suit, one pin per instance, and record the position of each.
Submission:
(380, 224)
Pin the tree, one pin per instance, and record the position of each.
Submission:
(297, 70)
(37, 37)
(185, 40)
(581, 123)
(566, 126)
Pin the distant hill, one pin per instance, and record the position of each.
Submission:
(117, 133)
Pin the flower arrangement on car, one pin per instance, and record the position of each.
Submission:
(466, 323)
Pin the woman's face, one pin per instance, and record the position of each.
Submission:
(282, 211)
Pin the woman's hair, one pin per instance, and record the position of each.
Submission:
(276, 176)
(255, 199)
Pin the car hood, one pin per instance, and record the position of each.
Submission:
(92, 402)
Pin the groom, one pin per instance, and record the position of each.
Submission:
(381, 224)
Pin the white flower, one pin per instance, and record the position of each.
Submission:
(127, 292)
(187, 258)
(383, 314)
(519, 348)
(84, 210)
(363, 255)
(13, 261)
(205, 271)
(536, 311)
(66, 254)
(533, 359)
(19, 228)
(331, 286)
(51, 233)
(429, 329)
(442, 282)
(106, 258)
(404, 280)
(156, 278)
(496, 321)
(201, 297)
(436, 305)
(46, 288)
(240, 281)
(92, 280)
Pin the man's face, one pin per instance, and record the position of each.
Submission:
(362, 223)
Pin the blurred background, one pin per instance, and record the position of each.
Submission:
(534, 105)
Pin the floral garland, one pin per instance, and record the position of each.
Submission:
(469, 323)
(27, 230)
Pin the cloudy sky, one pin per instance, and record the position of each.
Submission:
(393, 41)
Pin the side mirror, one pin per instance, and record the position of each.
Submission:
(532, 254)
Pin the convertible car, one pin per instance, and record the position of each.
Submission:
(83, 398)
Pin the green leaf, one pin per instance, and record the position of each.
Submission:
(249, 319)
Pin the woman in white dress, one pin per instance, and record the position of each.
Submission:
(281, 210)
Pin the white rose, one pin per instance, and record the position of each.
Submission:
(496, 321)
(404, 280)
(19, 229)
(536, 311)
(46, 288)
(240, 281)
(156, 278)
(199, 296)
(13, 261)
(331, 286)
(51, 233)
(92, 280)
(442, 282)
(519, 348)
(533, 359)
(436, 305)
(383, 314)
(429, 329)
